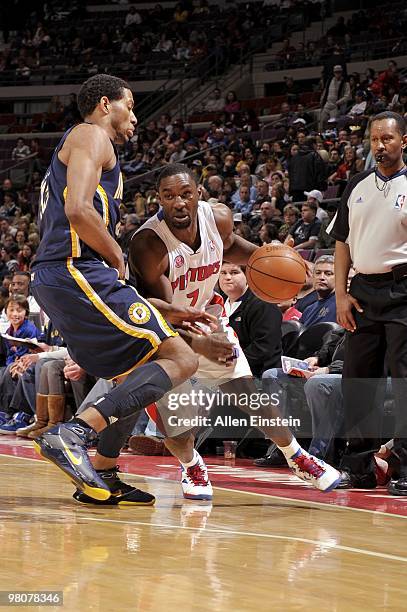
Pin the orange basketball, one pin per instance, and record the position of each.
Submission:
(275, 273)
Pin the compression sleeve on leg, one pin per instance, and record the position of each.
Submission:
(144, 386)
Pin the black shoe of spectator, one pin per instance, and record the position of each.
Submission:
(398, 487)
(273, 459)
(361, 468)
(346, 482)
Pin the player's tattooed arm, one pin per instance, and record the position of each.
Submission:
(235, 248)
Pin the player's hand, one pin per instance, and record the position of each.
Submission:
(72, 371)
(215, 347)
(344, 307)
(119, 265)
(185, 317)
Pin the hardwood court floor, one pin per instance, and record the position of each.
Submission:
(247, 551)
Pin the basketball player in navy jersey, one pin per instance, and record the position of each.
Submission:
(177, 255)
(110, 330)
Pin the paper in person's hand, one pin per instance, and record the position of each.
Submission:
(30, 343)
(295, 367)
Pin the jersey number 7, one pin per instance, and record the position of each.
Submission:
(193, 296)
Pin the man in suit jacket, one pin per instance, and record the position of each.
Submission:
(256, 323)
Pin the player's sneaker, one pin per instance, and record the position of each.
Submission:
(65, 445)
(122, 494)
(321, 475)
(195, 481)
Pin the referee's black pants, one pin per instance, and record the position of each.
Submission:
(381, 335)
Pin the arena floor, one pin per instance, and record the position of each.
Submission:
(268, 542)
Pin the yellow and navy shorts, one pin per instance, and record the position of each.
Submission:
(108, 327)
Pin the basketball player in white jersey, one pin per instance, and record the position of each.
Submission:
(177, 256)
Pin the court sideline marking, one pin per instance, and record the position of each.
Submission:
(266, 495)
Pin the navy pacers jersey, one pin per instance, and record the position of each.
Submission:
(59, 241)
(108, 327)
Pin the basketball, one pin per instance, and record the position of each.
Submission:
(275, 273)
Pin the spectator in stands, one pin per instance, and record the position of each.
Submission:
(290, 216)
(164, 44)
(304, 233)
(286, 55)
(181, 13)
(21, 238)
(9, 259)
(350, 166)
(334, 97)
(153, 206)
(19, 284)
(250, 122)
(46, 124)
(242, 201)
(9, 207)
(263, 193)
(133, 18)
(229, 166)
(277, 196)
(179, 152)
(290, 90)
(387, 81)
(267, 233)
(356, 113)
(324, 309)
(182, 52)
(25, 257)
(7, 187)
(243, 230)
(40, 161)
(267, 170)
(325, 241)
(306, 171)
(256, 323)
(301, 113)
(22, 71)
(232, 105)
(334, 162)
(322, 390)
(398, 103)
(17, 311)
(214, 104)
(214, 186)
(286, 116)
(315, 197)
(21, 150)
(268, 214)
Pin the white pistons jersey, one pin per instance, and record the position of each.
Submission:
(193, 274)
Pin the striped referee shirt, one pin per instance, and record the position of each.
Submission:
(372, 219)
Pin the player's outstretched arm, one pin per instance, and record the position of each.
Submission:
(235, 248)
(86, 152)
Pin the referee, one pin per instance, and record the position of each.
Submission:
(370, 230)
